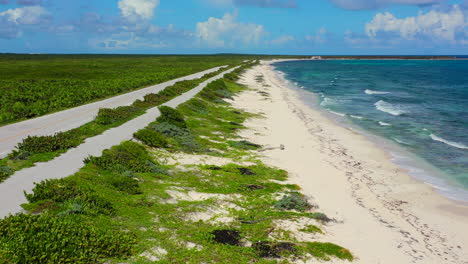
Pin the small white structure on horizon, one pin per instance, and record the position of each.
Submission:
(316, 57)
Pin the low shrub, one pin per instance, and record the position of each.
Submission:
(57, 190)
(190, 143)
(5, 172)
(244, 144)
(293, 201)
(107, 116)
(154, 99)
(172, 116)
(128, 156)
(170, 130)
(48, 239)
(61, 191)
(215, 91)
(123, 183)
(151, 138)
(74, 206)
(197, 106)
(184, 138)
(44, 144)
(325, 250)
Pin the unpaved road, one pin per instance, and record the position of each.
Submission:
(11, 135)
(11, 191)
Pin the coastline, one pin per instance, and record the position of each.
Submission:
(383, 214)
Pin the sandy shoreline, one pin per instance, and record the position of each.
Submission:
(384, 215)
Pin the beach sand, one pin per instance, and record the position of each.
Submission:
(383, 215)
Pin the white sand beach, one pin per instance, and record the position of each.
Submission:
(383, 215)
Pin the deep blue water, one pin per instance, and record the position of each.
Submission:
(422, 105)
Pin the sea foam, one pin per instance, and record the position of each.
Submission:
(450, 143)
(389, 108)
(384, 124)
(367, 91)
(357, 117)
(337, 113)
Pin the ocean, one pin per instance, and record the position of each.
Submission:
(419, 105)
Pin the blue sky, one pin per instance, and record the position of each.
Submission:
(239, 26)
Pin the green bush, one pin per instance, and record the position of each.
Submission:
(325, 250)
(154, 99)
(60, 191)
(172, 116)
(19, 155)
(107, 116)
(47, 239)
(128, 156)
(215, 91)
(169, 130)
(5, 172)
(151, 138)
(44, 144)
(123, 183)
(186, 140)
(293, 201)
(197, 106)
(74, 206)
(57, 190)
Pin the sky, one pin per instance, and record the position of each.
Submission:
(296, 27)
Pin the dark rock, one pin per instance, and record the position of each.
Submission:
(273, 249)
(254, 187)
(214, 168)
(246, 171)
(225, 236)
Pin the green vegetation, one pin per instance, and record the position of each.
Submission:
(58, 239)
(293, 201)
(34, 85)
(133, 206)
(151, 138)
(171, 116)
(44, 148)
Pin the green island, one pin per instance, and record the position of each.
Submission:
(149, 200)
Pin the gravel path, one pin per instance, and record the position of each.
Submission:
(11, 135)
(11, 191)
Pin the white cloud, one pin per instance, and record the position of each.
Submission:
(255, 3)
(282, 40)
(226, 31)
(134, 10)
(373, 4)
(319, 37)
(30, 15)
(434, 25)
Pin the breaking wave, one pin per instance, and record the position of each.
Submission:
(450, 143)
(367, 91)
(389, 108)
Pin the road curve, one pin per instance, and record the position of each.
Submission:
(11, 135)
(11, 191)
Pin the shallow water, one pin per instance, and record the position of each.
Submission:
(422, 105)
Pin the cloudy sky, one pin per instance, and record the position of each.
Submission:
(240, 26)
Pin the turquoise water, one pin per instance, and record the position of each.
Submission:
(421, 105)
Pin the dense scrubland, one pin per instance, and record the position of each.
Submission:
(34, 85)
(35, 149)
(134, 205)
